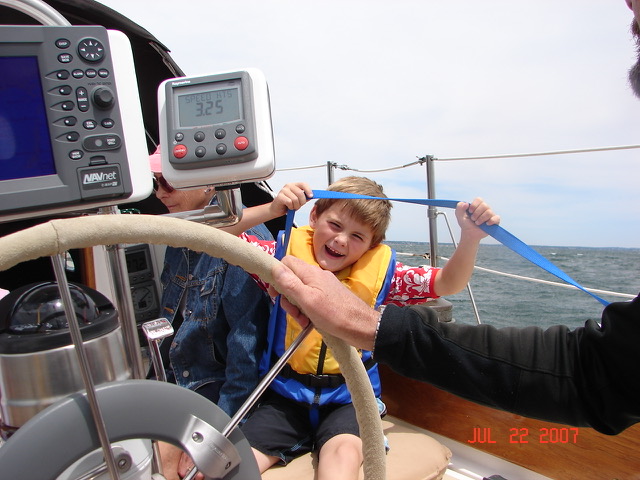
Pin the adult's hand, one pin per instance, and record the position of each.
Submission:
(176, 464)
(312, 294)
(186, 465)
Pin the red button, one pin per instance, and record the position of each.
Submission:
(179, 151)
(241, 143)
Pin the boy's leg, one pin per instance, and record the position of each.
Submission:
(265, 462)
(339, 444)
(278, 431)
(340, 458)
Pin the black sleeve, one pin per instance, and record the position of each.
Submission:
(583, 377)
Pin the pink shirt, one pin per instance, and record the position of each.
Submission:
(409, 286)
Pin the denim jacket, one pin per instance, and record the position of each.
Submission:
(223, 332)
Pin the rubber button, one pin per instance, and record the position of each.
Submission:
(179, 151)
(241, 143)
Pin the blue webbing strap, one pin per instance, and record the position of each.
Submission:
(281, 249)
(496, 231)
(287, 229)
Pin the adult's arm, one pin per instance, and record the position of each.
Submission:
(589, 376)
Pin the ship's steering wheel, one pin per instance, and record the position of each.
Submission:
(140, 408)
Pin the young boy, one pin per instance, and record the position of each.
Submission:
(308, 407)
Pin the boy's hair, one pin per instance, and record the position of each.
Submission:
(373, 213)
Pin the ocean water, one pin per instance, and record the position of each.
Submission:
(503, 301)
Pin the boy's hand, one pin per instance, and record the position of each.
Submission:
(470, 215)
(291, 197)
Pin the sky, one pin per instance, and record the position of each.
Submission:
(373, 84)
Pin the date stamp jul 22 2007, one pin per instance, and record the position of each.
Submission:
(551, 435)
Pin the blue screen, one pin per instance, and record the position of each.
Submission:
(25, 146)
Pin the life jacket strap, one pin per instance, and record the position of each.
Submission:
(330, 380)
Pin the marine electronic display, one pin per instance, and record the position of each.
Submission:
(216, 129)
(71, 131)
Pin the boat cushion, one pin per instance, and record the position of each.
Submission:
(412, 456)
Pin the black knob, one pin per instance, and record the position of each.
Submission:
(103, 97)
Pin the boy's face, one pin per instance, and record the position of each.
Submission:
(339, 240)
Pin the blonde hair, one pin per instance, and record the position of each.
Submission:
(374, 213)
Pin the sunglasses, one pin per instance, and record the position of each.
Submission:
(162, 182)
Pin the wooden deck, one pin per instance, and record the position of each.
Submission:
(552, 450)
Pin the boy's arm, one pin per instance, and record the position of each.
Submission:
(455, 275)
(291, 197)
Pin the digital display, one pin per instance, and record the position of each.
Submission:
(209, 108)
(136, 261)
(25, 148)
